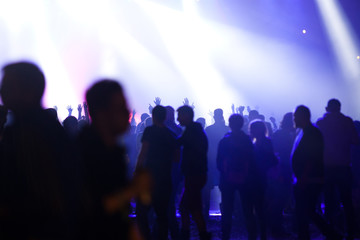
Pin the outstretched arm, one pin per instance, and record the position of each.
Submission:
(79, 112)
(69, 110)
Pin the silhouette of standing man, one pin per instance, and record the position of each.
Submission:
(35, 168)
(339, 135)
(194, 168)
(308, 168)
(105, 167)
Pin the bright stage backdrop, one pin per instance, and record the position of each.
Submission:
(270, 54)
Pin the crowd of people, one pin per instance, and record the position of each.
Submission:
(76, 179)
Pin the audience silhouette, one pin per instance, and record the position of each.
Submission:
(339, 135)
(76, 180)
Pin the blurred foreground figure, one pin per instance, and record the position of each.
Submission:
(308, 167)
(105, 168)
(35, 167)
(339, 135)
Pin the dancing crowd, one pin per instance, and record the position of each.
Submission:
(83, 178)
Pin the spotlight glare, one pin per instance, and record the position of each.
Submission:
(304, 31)
(358, 57)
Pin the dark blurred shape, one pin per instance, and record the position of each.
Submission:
(36, 168)
(104, 163)
(71, 127)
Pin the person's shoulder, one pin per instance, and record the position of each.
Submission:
(316, 131)
(209, 128)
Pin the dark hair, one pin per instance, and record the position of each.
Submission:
(159, 113)
(287, 121)
(333, 105)
(144, 116)
(187, 110)
(99, 95)
(259, 126)
(70, 121)
(236, 121)
(303, 110)
(28, 77)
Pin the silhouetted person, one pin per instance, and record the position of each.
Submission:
(158, 152)
(267, 124)
(236, 162)
(281, 183)
(214, 133)
(140, 127)
(194, 169)
(264, 160)
(105, 167)
(308, 167)
(339, 135)
(36, 168)
(3, 119)
(175, 174)
(70, 125)
(53, 113)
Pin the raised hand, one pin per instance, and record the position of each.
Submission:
(186, 101)
(79, 108)
(133, 113)
(248, 109)
(232, 108)
(69, 109)
(157, 101)
(150, 108)
(241, 109)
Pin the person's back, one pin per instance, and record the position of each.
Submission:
(194, 169)
(339, 135)
(307, 158)
(236, 163)
(235, 159)
(161, 152)
(195, 143)
(35, 180)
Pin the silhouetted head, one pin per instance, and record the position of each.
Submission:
(185, 115)
(253, 114)
(202, 121)
(52, 112)
(170, 112)
(107, 106)
(236, 122)
(218, 115)
(22, 86)
(302, 116)
(287, 121)
(144, 116)
(148, 122)
(333, 105)
(257, 129)
(262, 117)
(159, 114)
(71, 125)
